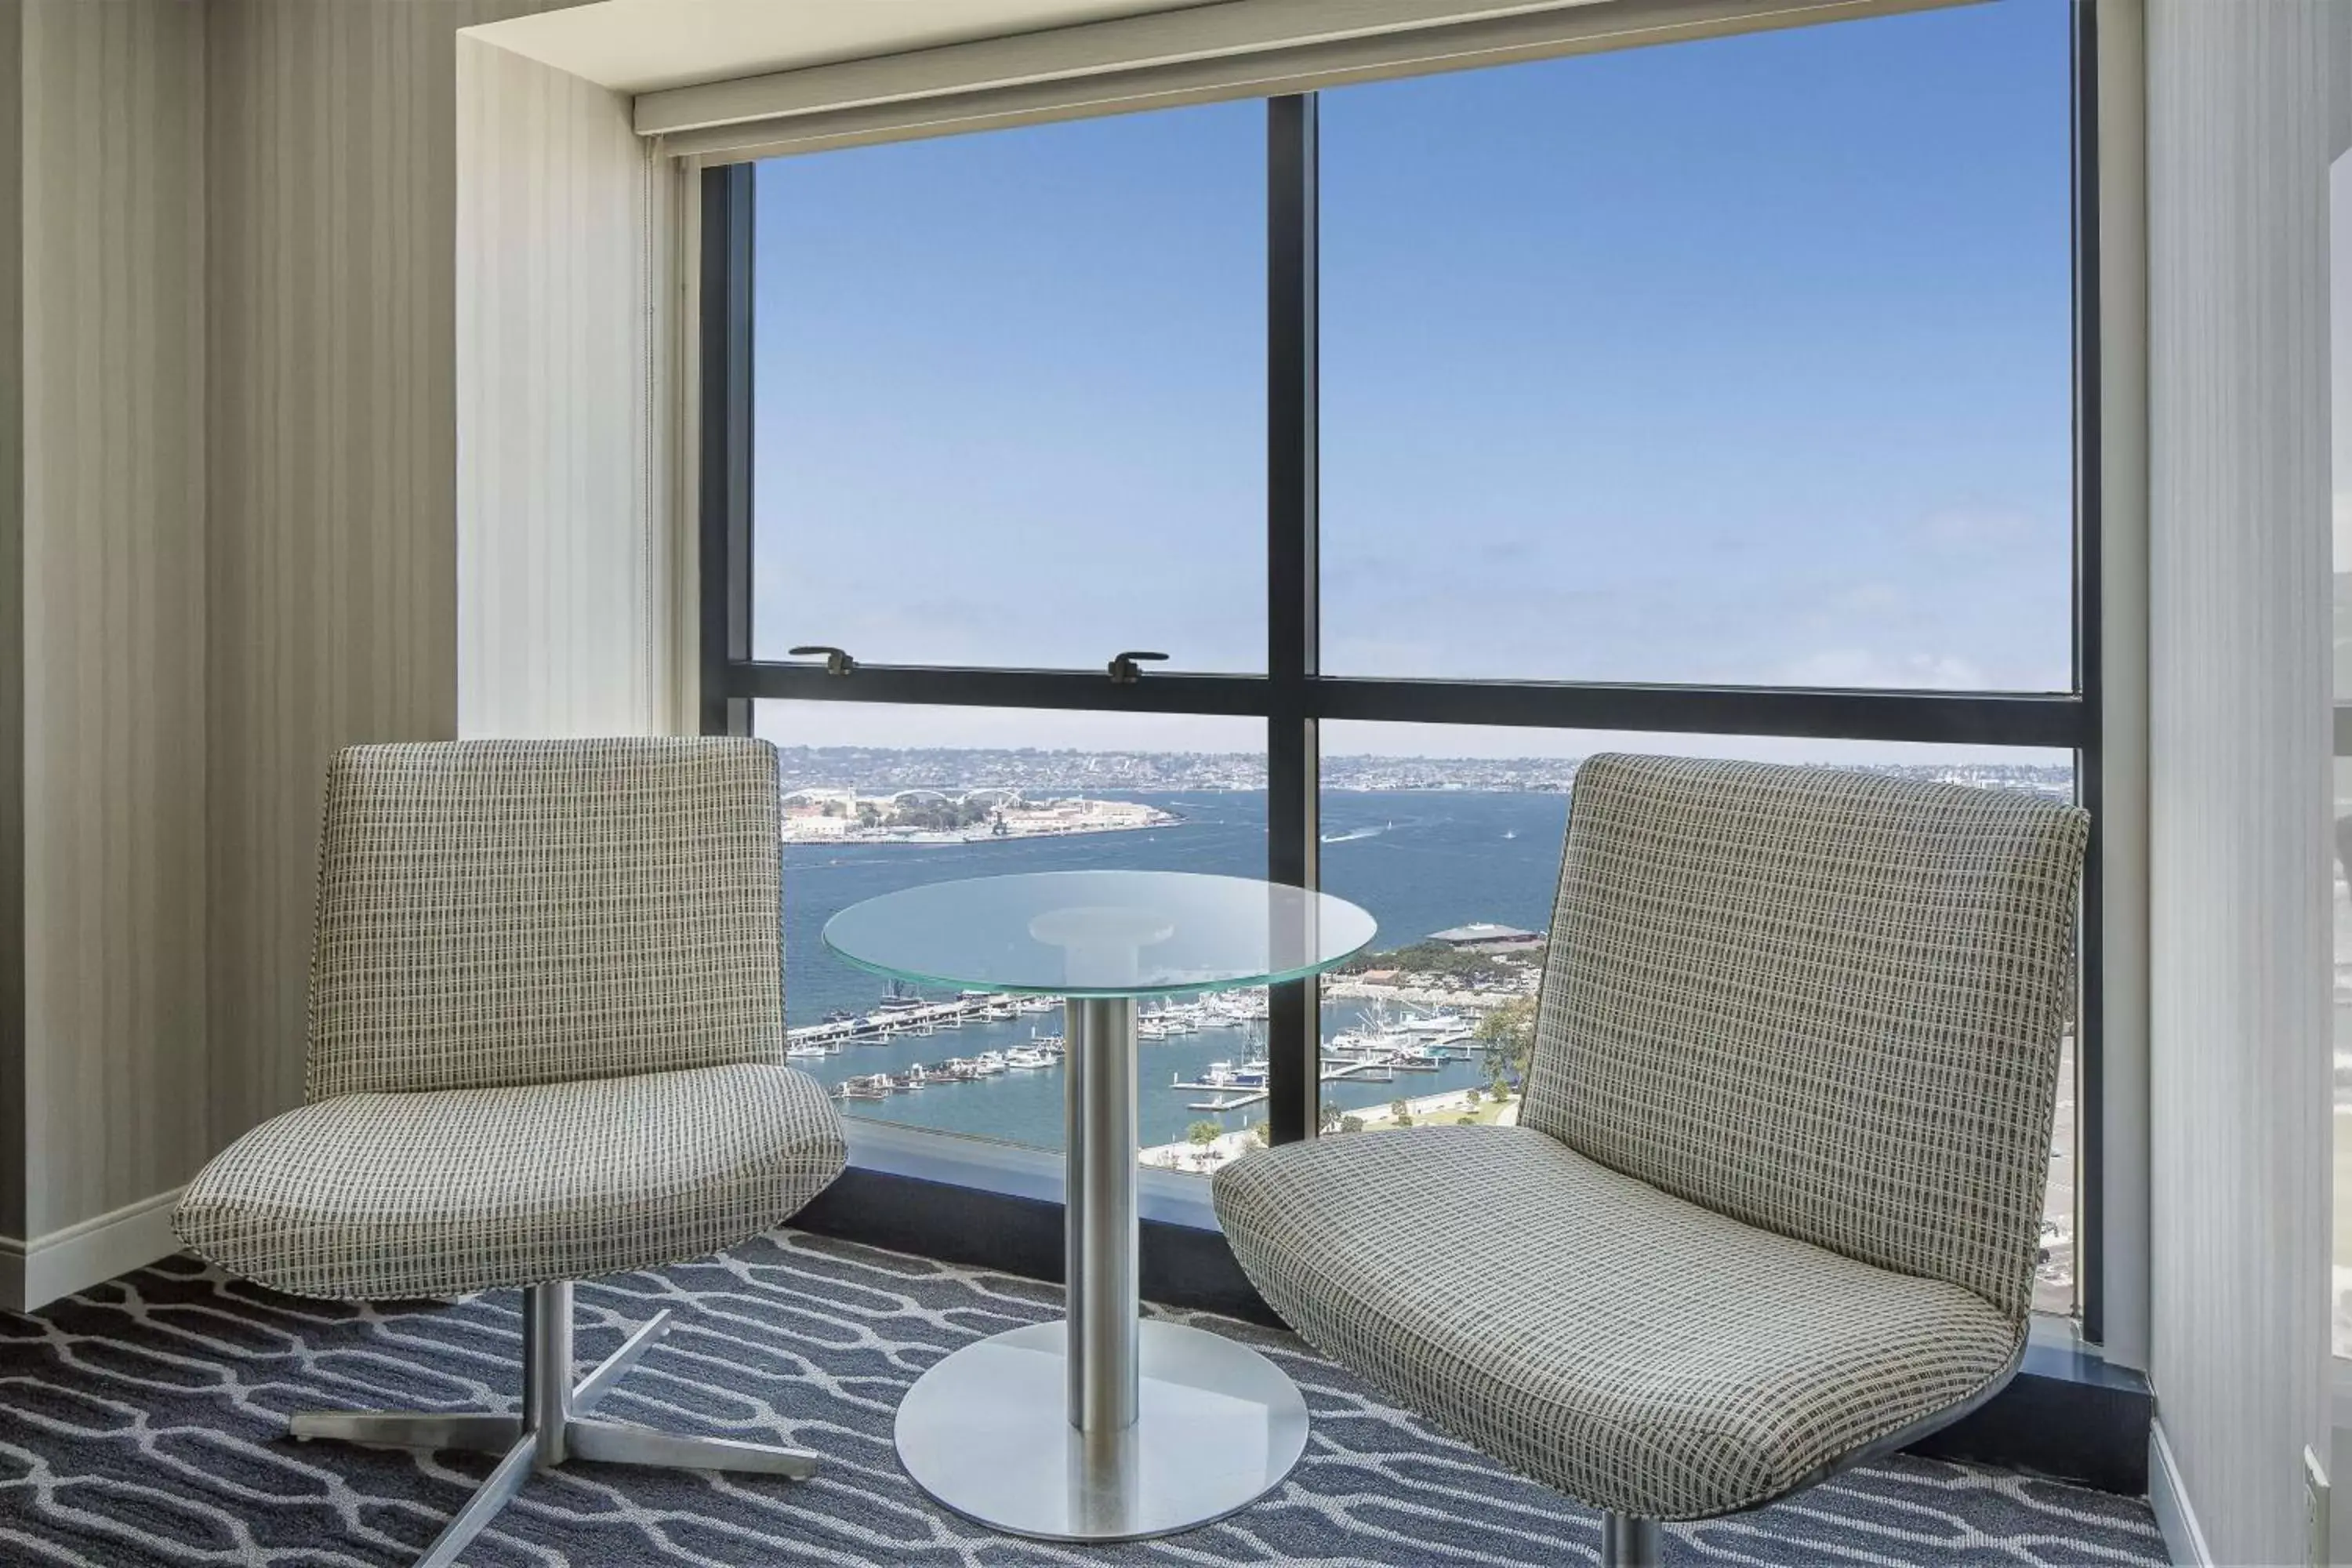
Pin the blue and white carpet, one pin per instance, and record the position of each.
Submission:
(141, 1424)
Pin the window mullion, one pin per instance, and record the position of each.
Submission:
(1295, 1021)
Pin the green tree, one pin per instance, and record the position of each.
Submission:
(1401, 1113)
(1264, 1133)
(1202, 1135)
(1328, 1118)
(1352, 1124)
(1507, 1038)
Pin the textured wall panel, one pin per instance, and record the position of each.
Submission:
(113, 602)
(2239, 1079)
(331, 157)
(564, 590)
(12, 632)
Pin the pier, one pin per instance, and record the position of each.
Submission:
(890, 1022)
(1375, 1069)
(1375, 1054)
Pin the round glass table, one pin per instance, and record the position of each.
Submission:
(1102, 1426)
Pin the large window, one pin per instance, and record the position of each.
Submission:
(1715, 398)
(1009, 403)
(1741, 362)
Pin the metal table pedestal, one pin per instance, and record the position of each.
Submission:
(1102, 1427)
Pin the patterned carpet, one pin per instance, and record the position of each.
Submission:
(140, 1424)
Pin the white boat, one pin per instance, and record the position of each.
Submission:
(1030, 1057)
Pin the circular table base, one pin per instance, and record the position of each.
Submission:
(986, 1432)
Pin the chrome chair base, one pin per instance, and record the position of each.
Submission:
(1630, 1543)
(554, 1426)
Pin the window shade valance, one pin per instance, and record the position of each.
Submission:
(1239, 49)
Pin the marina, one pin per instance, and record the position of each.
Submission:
(1380, 1047)
(841, 1028)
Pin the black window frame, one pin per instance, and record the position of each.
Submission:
(1294, 697)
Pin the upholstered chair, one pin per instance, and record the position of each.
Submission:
(546, 1042)
(1773, 1206)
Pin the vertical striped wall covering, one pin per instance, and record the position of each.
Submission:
(12, 631)
(113, 602)
(2237, 101)
(563, 587)
(332, 573)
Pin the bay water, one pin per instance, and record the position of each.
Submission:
(1420, 862)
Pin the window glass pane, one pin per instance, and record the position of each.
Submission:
(1008, 396)
(1745, 361)
(1452, 838)
(878, 798)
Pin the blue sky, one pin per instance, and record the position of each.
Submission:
(1740, 361)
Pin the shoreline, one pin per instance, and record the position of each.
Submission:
(1442, 1109)
(935, 836)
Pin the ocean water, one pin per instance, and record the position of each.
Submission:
(1420, 862)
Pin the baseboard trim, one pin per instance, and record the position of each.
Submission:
(89, 1252)
(2184, 1542)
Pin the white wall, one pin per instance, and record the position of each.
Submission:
(565, 585)
(2238, 115)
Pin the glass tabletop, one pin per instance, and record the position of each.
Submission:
(1100, 933)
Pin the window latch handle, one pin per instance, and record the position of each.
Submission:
(1125, 671)
(836, 660)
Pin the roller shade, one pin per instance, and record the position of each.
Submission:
(1240, 48)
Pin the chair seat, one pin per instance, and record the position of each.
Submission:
(387, 1196)
(1641, 1353)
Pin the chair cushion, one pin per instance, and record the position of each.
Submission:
(511, 911)
(1639, 1352)
(1823, 1002)
(387, 1196)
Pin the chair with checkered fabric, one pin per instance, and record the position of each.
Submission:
(1773, 1207)
(546, 1043)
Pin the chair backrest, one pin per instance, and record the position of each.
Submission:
(1826, 1003)
(498, 913)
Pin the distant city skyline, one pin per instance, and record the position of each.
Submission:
(1745, 361)
(883, 768)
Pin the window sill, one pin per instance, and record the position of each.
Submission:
(1009, 1170)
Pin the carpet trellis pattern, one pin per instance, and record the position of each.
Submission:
(141, 1425)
